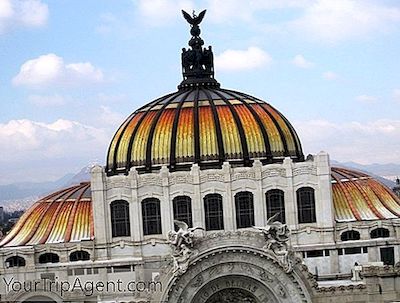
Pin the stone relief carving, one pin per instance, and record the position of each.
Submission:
(232, 295)
(277, 235)
(181, 242)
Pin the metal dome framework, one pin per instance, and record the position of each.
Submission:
(203, 125)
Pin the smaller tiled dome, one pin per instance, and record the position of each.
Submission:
(64, 216)
(358, 197)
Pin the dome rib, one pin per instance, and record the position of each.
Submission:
(150, 137)
(172, 152)
(239, 125)
(258, 119)
(133, 136)
(217, 124)
(196, 127)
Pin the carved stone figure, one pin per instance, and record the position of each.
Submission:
(181, 242)
(277, 235)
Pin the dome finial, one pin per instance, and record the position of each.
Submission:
(197, 62)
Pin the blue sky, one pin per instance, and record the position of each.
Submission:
(71, 71)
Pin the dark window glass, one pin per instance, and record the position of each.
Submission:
(380, 233)
(79, 255)
(350, 235)
(120, 224)
(15, 261)
(214, 212)
(49, 258)
(340, 251)
(315, 253)
(244, 209)
(276, 204)
(352, 250)
(151, 213)
(306, 205)
(182, 206)
(122, 268)
(365, 250)
(327, 253)
(387, 255)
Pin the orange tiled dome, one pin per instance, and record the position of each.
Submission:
(358, 196)
(64, 216)
(204, 125)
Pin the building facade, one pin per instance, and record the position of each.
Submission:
(206, 196)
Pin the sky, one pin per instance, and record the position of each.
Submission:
(72, 71)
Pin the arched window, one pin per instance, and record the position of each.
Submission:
(350, 235)
(79, 255)
(151, 213)
(15, 261)
(306, 205)
(214, 212)
(276, 204)
(120, 224)
(380, 233)
(244, 206)
(48, 258)
(182, 206)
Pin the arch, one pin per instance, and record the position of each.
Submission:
(306, 205)
(151, 214)
(182, 208)
(236, 267)
(380, 232)
(39, 299)
(120, 222)
(49, 258)
(79, 255)
(244, 206)
(275, 199)
(15, 261)
(350, 235)
(214, 214)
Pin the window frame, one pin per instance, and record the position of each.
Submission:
(379, 232)
(81, 255)
(272, 209)
(49, 258)
(120, 225)
(149, 219)
(217, 214)
(306, 212)
(180, 202)
(15, 261)
(244, 209)
(350, 235)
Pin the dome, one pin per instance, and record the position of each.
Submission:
(64, 216)
(206, 125)
(357, 197)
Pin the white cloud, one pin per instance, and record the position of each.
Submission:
(160, 12)
(46, 100)
(26, 13)
(352, 141)
(366, 99)
(251, 58)
(338, 20)
(330, 75)
(51, 69)
(396, 94)
(39, 151)
(301, 62)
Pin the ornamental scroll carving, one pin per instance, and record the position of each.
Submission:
(277, 235)
(181, 242)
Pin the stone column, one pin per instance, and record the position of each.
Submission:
(197, 202)
(99, 204)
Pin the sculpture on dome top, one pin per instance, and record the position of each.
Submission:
(277, 235)
(197, 62)
(181, 242)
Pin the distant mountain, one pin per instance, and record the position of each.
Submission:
(381, 172)
(18, 196)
